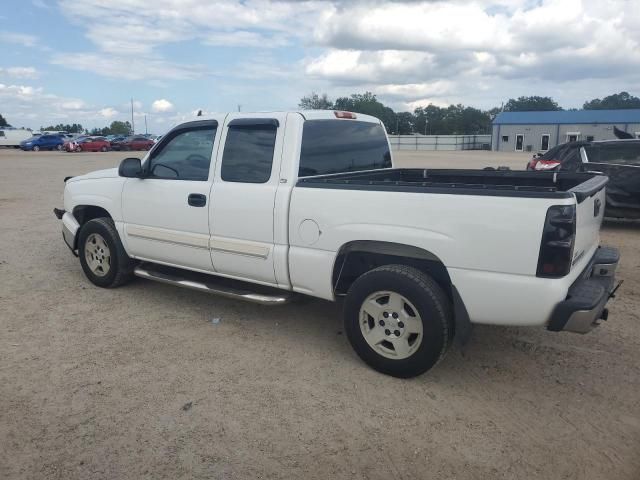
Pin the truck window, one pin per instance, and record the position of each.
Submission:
(620, 153)
(335, 146)
(187, 156)
(248, 153)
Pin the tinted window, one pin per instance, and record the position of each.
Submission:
(622, 153)
(2, 133)
(248, 153)
(186, 156)
(335, 146)
(545, 142)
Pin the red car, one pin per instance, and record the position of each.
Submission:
(89, 144)
(135, 143)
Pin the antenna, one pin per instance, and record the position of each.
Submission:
(133, 125)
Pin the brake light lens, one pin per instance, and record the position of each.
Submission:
(340, 114)
(558, 240)
(546, 164)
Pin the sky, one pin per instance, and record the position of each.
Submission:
(81, 61)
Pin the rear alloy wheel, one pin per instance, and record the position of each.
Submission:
(398, 320)
(78, 148)
(59, 148)
(36, 148)
(103, 149)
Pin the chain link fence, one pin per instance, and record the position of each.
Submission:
(440, 142)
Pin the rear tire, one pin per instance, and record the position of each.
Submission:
(398, 320)
(36, 148)
(102, 256)
(103, 149)
(78, 148)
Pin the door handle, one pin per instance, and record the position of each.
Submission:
(197, 200)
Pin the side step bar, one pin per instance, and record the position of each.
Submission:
(206, 283)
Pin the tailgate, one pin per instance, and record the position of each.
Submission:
(590, 197)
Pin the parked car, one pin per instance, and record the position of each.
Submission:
(13, 137)
(133, 143)
(89, 144)
(618, 159)
(43, 142)
(311, 203)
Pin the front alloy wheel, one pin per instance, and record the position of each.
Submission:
(97, 255)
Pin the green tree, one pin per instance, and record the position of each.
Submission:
(119, 128)
(530, 104)
(74, 128)
(315, 102)
(3, 122)
(367, 103)
(617, 101)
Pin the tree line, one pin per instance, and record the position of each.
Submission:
(454, 119)
(116, 128)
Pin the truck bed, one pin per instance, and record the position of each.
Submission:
(507, 183)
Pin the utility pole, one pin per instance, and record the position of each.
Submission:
(145, 124)
(133, 125)
(239, 107)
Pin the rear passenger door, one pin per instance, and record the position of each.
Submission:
(243, 197)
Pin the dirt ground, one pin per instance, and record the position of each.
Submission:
(138, 382)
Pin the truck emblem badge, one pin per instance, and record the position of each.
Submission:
(596, 207)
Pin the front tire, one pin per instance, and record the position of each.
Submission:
(36, 148)
(398, 320)
(102, 256)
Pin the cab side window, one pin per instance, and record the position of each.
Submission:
(248, 153)
(185, 155)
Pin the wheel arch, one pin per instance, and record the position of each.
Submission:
(84, 213)
(360, 256)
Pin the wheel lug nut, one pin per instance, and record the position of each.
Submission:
(385, 314)
(396, 333)
(387, 332)
(382, 323)
(401, 324)
(394, 315)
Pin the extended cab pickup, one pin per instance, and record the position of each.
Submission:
(262, 206)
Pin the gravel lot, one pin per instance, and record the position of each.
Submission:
(138, 382)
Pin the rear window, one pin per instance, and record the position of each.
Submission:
(336, 146)
(621, 153)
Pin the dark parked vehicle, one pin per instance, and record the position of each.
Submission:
(133, 143)
(618, 159)
(43, 142)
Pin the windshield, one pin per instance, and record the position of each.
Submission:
(336, 146)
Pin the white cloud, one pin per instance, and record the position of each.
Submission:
(19, 38)
(108, 112)
(19, 72)
(455, 50)
(161, 106)
(122, 67)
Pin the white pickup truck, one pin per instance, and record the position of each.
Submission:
(262, 206)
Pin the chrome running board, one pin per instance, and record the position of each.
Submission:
(211, 284)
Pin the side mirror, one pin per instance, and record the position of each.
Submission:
(130, 168)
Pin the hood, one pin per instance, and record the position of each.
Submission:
(107, 173)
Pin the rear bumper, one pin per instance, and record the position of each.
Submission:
(585, 304)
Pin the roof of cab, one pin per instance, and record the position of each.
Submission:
(306, 114)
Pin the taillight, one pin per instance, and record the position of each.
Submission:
(340, 114)
(546, 164)
(558, 239)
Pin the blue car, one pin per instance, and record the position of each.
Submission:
(43, 142)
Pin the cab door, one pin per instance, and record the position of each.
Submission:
(166, 213)
(244, 192)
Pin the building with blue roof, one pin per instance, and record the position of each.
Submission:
(540, 131)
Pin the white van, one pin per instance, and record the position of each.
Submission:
(11, 137)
